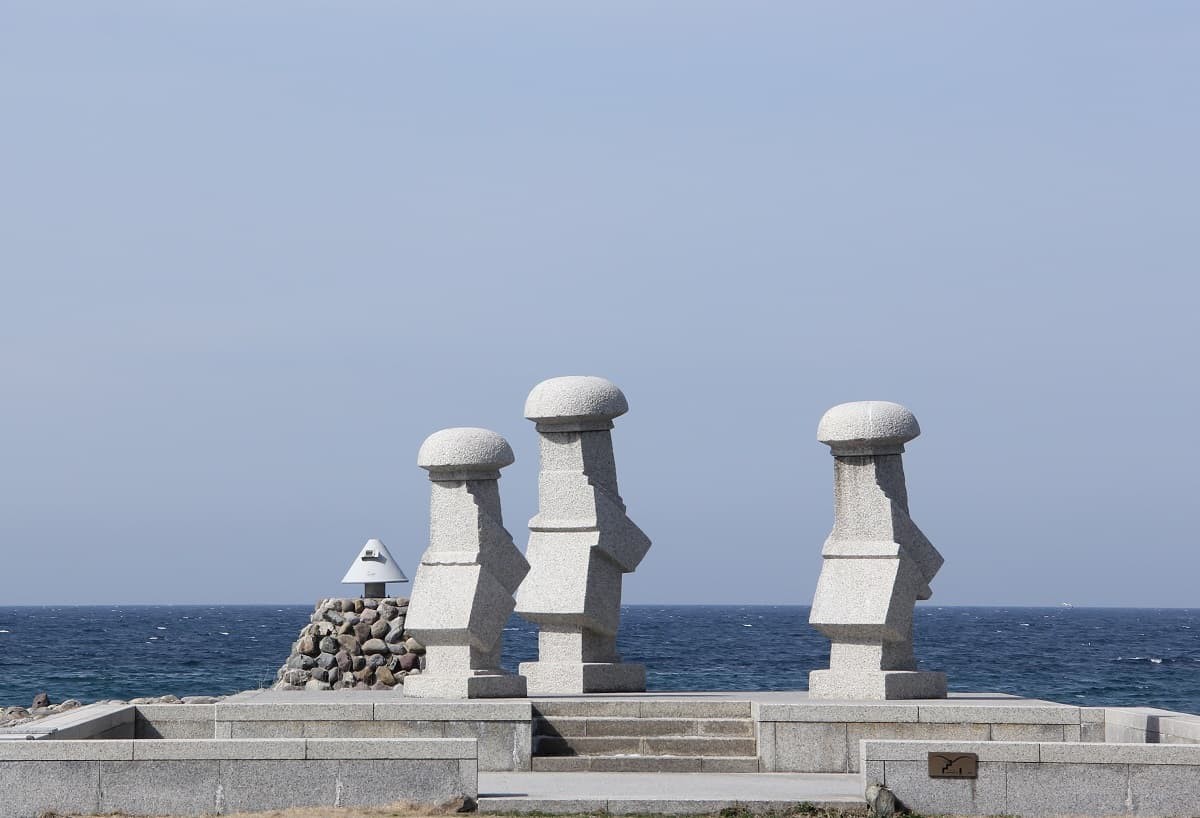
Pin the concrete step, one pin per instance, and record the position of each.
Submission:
(609, 727)
(645, 764)
(663, 793)
(646, 746)
(642, 708)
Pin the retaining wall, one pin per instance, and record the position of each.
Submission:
(196, 777)
(1041, 779)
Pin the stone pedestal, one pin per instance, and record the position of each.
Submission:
(580, 542)
(463, 590)
(877, 563)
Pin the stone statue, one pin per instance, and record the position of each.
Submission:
(876, 562)
(580, 542)
(463, 591)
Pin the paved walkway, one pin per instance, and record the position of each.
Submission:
(666, 793)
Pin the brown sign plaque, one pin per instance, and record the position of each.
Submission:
(953, 765)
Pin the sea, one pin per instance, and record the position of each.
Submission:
(1086, 656)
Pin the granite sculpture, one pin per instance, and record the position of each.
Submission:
(876, 562)
(580, 542)
(463, 591)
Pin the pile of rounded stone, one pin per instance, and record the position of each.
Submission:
(353, 643)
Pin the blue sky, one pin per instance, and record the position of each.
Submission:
(251, 254)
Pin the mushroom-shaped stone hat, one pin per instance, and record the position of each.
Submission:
(575, 403)
(867, 427)
(465, 453)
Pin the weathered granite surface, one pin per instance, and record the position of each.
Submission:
(463, 591)
(877, 563)
(580, 542)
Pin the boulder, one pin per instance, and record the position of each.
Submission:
(326, 661)
(413, 645)
(410, 661)
(379, 629)
(329, 645)
(369, 616)
(40, 700)
(343, 660)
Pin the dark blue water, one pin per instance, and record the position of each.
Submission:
(1093, 656)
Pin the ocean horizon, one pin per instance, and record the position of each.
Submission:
(1094, 656)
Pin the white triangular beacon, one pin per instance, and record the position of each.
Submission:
(375, 568)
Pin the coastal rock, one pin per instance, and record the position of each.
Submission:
(370, 603)
(296, 678)
(320, 674)
(326, 661)
(398, 648)
(201, 699)
(313, 684)
(343, 660)
(388, 612)
(369, 615)
(40, 700)
(413, 645)
(375, 646)
(410, 661)
(379, 629)
(308, 646)
(350, 644)
(395, 635)
(329, 645)
(376, 661)
(362, 631)
(358, 663)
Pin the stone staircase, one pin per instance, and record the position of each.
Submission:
(648, 735)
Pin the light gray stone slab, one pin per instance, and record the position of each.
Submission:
(406, 748)
(644, 806)
(1030, 732)
(900, 731)
(1000, 714)
(625, 708)
(1168, 790)
(176, 787)
(31, 788)
(322, 710)
(375, 729)
(543, 806)
(1180, 729)
(874, 773)
(424, 781)
(88, 722)
(268, 729)
(218, 749)
(1067, 789)
(768, 760)
(876, 562)
(804, 747)
(1074, 732)
(249, 785)
(684, 708)
(912, 786)
(176, 712)
(501, 745)
(84, 750)
(472, 710)
(172, 729)
(837, 712)
(999, 751)
(1187, 754)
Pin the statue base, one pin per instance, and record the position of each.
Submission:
(482, 684)
(549, 678)
(876, 684)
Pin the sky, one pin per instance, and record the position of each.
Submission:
(252, 254)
